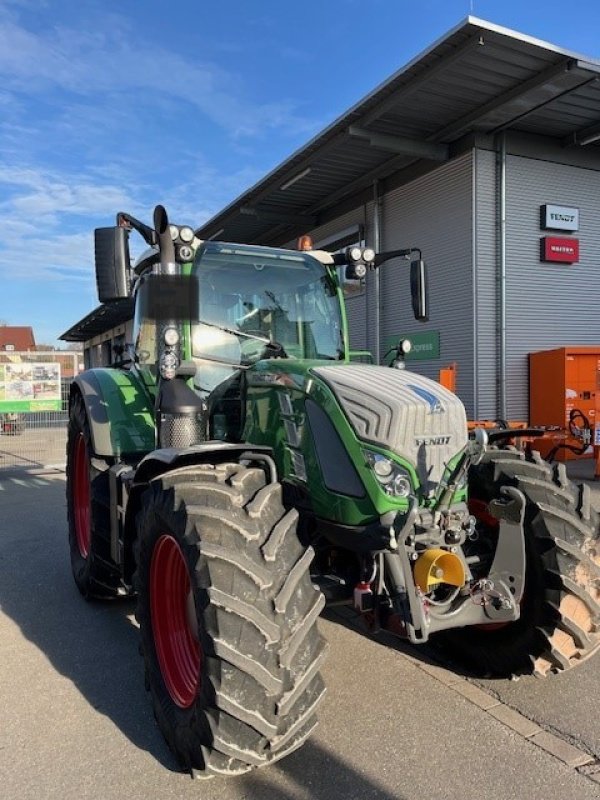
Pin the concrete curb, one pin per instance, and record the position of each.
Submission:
(563, 751)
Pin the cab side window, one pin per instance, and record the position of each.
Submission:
(144, 333)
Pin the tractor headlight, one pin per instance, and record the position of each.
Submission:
(186, 234)
(171, 337)
(354, 253)
(368, 255)
(393, 478)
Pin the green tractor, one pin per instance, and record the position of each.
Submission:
(237, 472)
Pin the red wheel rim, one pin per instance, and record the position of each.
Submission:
(173, 622)
(479, 509)
(81, 496)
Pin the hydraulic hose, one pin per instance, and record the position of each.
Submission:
(574, 414)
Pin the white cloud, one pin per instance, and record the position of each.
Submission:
(50, 215)
(91, 125)
(102, 62)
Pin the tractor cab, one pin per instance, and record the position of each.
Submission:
(257, 303)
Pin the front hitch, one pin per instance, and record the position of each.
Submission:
(493, 599)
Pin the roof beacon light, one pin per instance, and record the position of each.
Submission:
(304, 243)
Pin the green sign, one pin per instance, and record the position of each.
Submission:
(425, 345)
(24, 406)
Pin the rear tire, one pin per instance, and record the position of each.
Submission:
(559, 626)
(228, 619)
(88, 511)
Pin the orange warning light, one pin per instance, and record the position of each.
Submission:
(304, 243)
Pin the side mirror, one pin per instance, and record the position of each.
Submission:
(418, 290)
(112, 263)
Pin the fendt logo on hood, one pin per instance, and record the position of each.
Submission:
(435, 404)
(432, 440)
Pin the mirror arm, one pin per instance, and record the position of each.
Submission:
(341, 260)
(128, 222)
(381, 258)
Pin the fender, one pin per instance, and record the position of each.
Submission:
(158, 463)
(119, 410)
(211, 452)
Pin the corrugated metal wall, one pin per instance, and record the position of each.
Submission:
(486, 357)
(548, 305)
(434, 213)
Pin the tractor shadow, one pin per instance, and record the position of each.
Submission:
(318, 771)
(92, 644)
(427, 654)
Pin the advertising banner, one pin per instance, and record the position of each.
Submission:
(29, 386)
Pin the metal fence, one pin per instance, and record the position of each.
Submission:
(34, 398)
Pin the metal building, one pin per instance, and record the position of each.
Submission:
(483, 152)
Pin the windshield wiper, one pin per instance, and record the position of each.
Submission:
(272, 349)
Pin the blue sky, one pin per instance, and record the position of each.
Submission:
(110, 106)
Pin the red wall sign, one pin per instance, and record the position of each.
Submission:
(558, 248)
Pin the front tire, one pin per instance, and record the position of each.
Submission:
(227, 615)
(559, 626)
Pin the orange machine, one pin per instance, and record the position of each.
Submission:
(562, 394)
(447, 377)
(564, 402)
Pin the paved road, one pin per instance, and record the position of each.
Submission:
(570, 704)
(42, 443)
(76, 724)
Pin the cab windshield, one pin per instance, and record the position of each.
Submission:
(251, 298)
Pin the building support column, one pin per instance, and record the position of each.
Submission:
(501, 275)
(377, 279)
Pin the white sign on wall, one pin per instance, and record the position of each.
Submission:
(559, 218)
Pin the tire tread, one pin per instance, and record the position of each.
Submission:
(263, 652)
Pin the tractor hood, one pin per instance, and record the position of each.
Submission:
(400, 411)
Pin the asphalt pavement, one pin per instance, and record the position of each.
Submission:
(76, 721)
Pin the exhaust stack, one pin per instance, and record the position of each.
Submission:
(165, 242)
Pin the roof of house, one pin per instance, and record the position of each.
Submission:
(18, 337)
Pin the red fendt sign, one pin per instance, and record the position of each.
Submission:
(558, 248)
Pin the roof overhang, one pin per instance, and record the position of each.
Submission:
(99, 321)
(478, 78)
